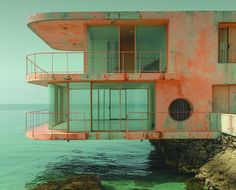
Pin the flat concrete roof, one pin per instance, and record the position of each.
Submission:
(66, 30)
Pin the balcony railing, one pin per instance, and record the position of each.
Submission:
(103, 62)
(44, 122)
(62, 121)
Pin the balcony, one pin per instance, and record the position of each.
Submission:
(42, 68)
(44, 125)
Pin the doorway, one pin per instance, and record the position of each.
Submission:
(110, 108)
(127, 48)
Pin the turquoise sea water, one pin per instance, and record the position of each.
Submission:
(123, 165)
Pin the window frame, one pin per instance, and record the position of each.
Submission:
(225, 25)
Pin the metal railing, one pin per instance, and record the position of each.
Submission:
(43, 121)
(36, 119)
(103, 62)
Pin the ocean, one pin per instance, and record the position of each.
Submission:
(120, 164)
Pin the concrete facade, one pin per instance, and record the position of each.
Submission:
(195, 73)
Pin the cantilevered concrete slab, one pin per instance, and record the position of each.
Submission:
(66, 31)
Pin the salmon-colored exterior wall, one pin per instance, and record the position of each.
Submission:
(194, 34)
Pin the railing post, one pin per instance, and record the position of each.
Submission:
(53, 116)
(68, 108)
(33, 123)
(67, 63)
(91, 107)
(143, 128)
(84, 121)
(127, 130)
(52, 62)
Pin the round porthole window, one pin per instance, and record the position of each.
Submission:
(180, 109)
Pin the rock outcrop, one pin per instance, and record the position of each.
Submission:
(213, 160)
(220, 172)
(187, 155)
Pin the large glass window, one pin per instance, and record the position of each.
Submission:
(103, 49)
(113, 104)
(79, 106)
(114, 49)
(137, 102)
(127, 49)
(57, 104)
(227, 43)
(151, 48)
(101, 106)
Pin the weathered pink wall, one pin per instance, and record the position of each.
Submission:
(195, 35)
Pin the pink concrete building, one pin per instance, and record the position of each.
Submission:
(134, 75)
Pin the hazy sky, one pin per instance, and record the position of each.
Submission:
(16, 40)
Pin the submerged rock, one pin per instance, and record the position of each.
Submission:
(83, 182)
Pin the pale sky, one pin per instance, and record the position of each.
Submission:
(16, 40)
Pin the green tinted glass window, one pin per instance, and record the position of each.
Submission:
(103, 49)
(151, 48)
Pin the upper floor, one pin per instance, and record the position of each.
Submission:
(121, 46)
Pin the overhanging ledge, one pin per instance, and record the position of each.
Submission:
(66, 30)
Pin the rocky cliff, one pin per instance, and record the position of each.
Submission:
(213, 161)
(219, 173)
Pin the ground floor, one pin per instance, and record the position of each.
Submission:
(121, 110)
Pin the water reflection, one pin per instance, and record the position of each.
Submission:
(112, 165)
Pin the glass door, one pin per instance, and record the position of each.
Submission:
(110, 106)
(127, 48)
(117, 104)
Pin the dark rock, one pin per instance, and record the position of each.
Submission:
(187, 155)
(213, 160)
(83, 182)
(195, 184)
